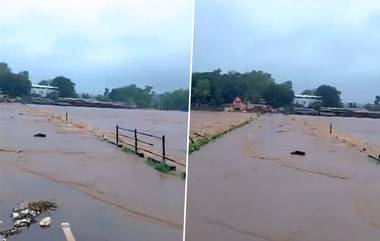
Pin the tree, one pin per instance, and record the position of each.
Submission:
(225, 87)
(106, 91)
(352, 105)
(308, 92)
(316, 105)
(14, 84)
(202, 91)
(85, 96)
(175, 100)
(256, 83)
(133, 96)
(330, 96)
(279, 94)
(45, 82)
(377, 100)
(4, 69)
(65, 85)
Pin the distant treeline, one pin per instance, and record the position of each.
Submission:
(19, 85)
(134, 96)
(14, 84)
(216, 88)
(375, 106)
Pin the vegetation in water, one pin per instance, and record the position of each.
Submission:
(159, 166)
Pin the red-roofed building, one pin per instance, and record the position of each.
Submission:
(238, 105)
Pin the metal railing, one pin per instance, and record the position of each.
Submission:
(138, 143)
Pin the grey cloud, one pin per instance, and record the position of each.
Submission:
(312, 51)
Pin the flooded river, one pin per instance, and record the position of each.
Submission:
(104, 193)
(247, 186)
(172, 124)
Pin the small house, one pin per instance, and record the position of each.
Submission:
(306, 100)
(43, 90)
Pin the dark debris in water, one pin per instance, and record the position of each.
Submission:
(40, 135)
(299, 153)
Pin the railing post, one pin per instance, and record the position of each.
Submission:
(136, 141)
(163, 148)
(117, 135)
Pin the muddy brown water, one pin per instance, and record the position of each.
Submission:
(247, 186)
(362, 128)
(105, 194)
(172, 124)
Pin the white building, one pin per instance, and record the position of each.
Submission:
(43, 90)
(306, 100)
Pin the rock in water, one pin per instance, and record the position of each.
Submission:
(45, 222)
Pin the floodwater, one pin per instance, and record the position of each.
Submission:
(362, 128)
(172, 124)
(104, 193)
(247, 186)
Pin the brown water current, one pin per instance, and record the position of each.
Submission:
(104, 193)
(172, 124)
(247, 186)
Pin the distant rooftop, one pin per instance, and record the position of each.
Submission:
(308, 96)
(45, 87)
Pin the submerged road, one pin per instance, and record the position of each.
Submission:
(247, 187)
(104, 193)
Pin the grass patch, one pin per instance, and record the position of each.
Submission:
(127, 150)
(159, 166)
(205, 140)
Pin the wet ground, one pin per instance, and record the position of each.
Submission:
(247, 186)
(105, 194)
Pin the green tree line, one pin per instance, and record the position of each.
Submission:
(14, 84)
(65, 85)
(375, 106)
(19, 85)
(216, 88)
(330, 95)
(134, 96)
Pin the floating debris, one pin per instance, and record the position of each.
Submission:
(14, 151)
(299, 153)
(42, 206)
(45, 222)
(27, 214)
(374, 157)
(40, 135)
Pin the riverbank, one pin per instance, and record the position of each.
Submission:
(206, 126)
(103, 192)
(351, 132)
(247, 186)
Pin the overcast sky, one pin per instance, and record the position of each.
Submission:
(310, 42)
(99, 43)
